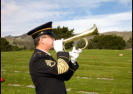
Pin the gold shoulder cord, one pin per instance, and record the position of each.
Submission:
(62, 66)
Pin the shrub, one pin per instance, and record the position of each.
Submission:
(129, 43)
(5, 46)
(107, 42)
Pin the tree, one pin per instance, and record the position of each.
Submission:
(63, 33)
(80, 43)
(5, 46)
(107, 42)
(129, 43)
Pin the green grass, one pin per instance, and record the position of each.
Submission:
(100, 71)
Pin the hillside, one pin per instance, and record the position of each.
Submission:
(125, 35)
(22, 41)
(25, 41)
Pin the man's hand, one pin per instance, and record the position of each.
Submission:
(58, 45)
(74, 54)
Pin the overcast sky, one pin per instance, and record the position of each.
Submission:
(20, 16)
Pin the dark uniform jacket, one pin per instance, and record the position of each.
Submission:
(48, 75)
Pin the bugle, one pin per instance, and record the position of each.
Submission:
(92, 31)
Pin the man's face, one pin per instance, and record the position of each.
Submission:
(47, 41)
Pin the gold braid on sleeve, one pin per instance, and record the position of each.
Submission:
(62, 66)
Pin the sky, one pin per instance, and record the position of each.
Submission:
(20, 16)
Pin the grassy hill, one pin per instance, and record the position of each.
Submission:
(100, 72)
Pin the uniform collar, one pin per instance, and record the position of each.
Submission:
(44, 51)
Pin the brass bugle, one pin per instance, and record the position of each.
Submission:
(92, 31)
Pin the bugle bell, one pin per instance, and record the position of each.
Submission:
(92, 31)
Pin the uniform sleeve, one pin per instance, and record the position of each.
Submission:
(64, 56)
(64, 66)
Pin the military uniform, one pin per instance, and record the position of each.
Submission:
(48, 75)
